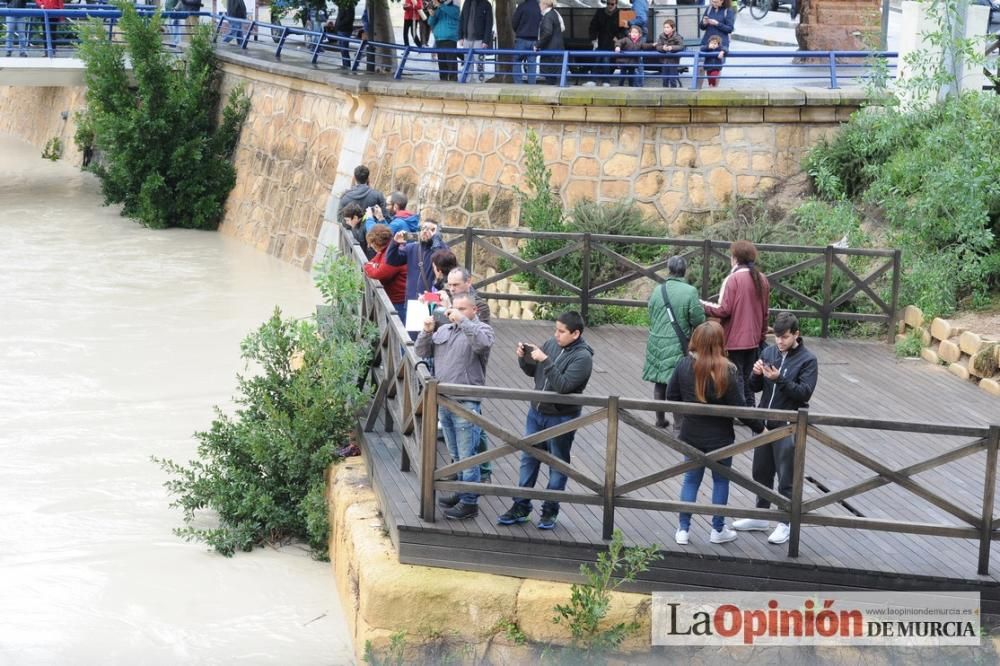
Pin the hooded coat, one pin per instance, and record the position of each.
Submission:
(663, 349)
(362, 195)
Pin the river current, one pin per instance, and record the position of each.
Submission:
(115, 343)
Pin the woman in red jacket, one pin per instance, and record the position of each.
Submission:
(742, 309)
(411, 21)
(393, 278)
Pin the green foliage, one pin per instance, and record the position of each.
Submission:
(394, 653)
(910, 346)
(589, 602)
(511, 630)
(261, 470)
(933, 172)
(53, 149)
(165, 156)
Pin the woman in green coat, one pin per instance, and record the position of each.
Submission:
(663, 349)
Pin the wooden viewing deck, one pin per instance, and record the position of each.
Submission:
(888, 497)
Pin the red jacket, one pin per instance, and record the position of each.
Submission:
(51, 4)
(393, 278)
(410, 8)
(743, 315)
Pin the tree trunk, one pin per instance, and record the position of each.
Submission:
(505, 37)
(382, 31)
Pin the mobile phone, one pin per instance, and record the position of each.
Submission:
(528, 349)
(411, 236)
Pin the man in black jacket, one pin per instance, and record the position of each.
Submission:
(605, 28)
(344, 27)
(563, 364)
(786, 373)
(360, 193)
(525, 22)
(550, 38)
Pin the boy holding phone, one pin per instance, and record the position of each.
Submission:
(786, 373)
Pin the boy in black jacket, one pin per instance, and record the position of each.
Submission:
(786, 373)
(563, 364)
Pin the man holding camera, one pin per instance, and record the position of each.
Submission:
(443, 17)
(401, 219)
(461, 350)
(414, 252)
(786, 373)
(563, 364)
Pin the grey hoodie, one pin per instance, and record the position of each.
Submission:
(566, 370)
(364, 196)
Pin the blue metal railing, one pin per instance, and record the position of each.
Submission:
(51, 30)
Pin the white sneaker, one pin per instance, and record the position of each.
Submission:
(590, 84)
(780, 534)
(606, 84)
(750, 525)
(681, 537)
(725, 536)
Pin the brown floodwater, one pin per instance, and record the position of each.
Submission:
(115, 343)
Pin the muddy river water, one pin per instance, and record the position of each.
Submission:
(115, 343)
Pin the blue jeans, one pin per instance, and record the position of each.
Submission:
(720, 493)
(235, 31)
(462, 437)
(558, 446)
(525, 70)
(175, 31)
(19, 26)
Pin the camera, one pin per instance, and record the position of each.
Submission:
(411, 236)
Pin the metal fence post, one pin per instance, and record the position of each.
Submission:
(833, 71)
(989, 492)
(428, 450)
(564, 74)
(798, 479)
(610, 468)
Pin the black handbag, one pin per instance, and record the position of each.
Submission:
(681, 337)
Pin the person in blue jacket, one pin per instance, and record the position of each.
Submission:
(401, 219)
(718, 20)
(443, 19)
(417, 259)
(641, 9)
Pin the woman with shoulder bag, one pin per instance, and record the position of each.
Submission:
(674, 311)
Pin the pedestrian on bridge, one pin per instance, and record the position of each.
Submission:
(17, 28)
(550, 38)
(525, 23)
(719, 20)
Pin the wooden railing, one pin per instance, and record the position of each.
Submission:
(483, 246)
(405, 392)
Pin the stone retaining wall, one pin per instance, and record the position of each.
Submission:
(951, 346)
(35, 115)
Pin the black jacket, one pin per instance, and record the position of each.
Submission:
(707, 432)
(362, 195)
(550, 36)
(566, 370)
(345, 20)
(526, 18)
(795, 384)
(605, 28)
(481, 19)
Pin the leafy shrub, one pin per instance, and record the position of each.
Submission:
(262, 469)
(933, 172)
(53, 149)
(910, 346)
(166, 158)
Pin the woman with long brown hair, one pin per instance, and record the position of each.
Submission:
(742, 309)
(706, 376)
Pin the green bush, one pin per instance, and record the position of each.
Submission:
(933, 173)
(165, 157)
(261, 470)
(910, 346)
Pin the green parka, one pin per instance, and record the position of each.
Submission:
(663, 349)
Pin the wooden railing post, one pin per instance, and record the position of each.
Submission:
(428, 450)
(989, 492)
(827, 289)
(585, 279)
(468, 249)
(798, 479)
(610, 468)
(706, 269)
(894, 302)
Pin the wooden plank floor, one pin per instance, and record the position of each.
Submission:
(856, 378)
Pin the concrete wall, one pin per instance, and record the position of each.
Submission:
(36, 115)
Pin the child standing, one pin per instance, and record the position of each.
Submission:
(670, 42)
(714, 57)
(630, 66)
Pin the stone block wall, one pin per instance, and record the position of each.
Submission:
(35, 115)
(947, 344)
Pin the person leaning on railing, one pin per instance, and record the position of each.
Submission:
(53, 22)
(604, 31)
(563, 364)
(443, 18)
(670, 41)
(719, 21)
(393, 278)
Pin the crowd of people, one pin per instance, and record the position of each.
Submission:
(538, 26)
(697, 351)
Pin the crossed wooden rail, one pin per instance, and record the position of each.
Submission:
(825, 306)
(405, 393)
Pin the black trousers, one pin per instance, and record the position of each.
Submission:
(774, 459)
(447, 62)
(744, 359)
